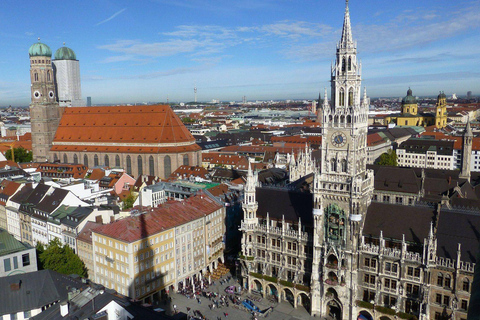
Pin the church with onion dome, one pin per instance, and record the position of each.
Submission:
(143, 140)
(411, 116)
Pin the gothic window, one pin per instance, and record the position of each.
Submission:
(151, 165)
(349, 119)
(129, 165)
(95, 161)
(167, 166)
(35, 76)
(65, 158)
(75, 159)
(333, 165)
(341, 99)
(140, 165)
(106, 161)
(440, 280)
(335, 223)
(349, 63)
(330, 118)
(344, 165)
(85, 160)
(343, 65)
(48, 75)
(185, 160)
(117, 161)
(342, 119)
(466, 285)
(350, 97)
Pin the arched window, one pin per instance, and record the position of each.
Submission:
(440, 280)
(140, 165)
(349, 119)
(341, 100)
(342, 119)
(167, 166)
(343, 65)
(350, 97)
(75, 159)
(85, 160)
(349, 63)
(55, 157)
(48, 75)
(95, 161)
(65, 158)
(35, 76)
(117, 161)
(466, 285)
(448, 281)
(333, 165)
(151, 166)
(129, 165)
(185, 160)
(344, 165)
(106, 162)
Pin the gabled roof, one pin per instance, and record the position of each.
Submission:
(51, 202)
(398, 220)
(8, 244)
(101, 128)
(396, 179)
(35, 290)
(85, 234)
(281, 203)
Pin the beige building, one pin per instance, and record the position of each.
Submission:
(149, 253)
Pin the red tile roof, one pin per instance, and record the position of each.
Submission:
(156, 125)
(167, 216)
(86, 234)
(185, 171)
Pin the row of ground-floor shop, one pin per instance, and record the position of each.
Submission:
(331, 306)
(187, 284)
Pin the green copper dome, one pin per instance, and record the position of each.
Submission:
(409, 99)
(39, 50)
(65, 53)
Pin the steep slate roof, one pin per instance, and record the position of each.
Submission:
(458, 227)
(37, 289)
(282, 202)
(52, 201)
(169, 215)
(396, 179)
(103, 127)
(421, 146)
(397, 220)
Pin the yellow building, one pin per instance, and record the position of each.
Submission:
(410, 116)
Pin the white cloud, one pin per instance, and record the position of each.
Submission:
(111, 17)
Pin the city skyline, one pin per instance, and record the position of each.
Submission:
(259, 49)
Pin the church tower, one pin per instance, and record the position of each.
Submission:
(342, 185)
(44, 111)
(467, 152)
(441, 111)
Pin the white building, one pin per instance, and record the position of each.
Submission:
(67, 78)
(428, 154)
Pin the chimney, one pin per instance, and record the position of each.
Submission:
(98, 219)
(112, 219)
(63, 308)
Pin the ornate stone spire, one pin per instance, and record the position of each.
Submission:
(347, 40)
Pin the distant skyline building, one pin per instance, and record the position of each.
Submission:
(89, 101)
(469, 94)
(195, 92)
(67, 78)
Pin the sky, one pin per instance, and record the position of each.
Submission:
(154, 50)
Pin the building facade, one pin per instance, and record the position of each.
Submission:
(67, 78)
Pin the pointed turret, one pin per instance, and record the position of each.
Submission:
(467, 152)
(365, 101)
(347, 40)
(325, 100)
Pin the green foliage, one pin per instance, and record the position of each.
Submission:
(188, 120)
(364, 304)
(388, 159)
(60, 258)
(385, 310)
(40, 249)
(407, 316)
(128, 202)
(21, 155)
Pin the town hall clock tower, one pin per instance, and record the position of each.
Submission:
(342, 186)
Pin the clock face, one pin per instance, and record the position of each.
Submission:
(36, 94)
(339, 139)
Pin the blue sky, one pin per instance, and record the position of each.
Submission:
(263, 49)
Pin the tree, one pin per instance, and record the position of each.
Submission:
(388, 159)
(128, 201)
(21, 155)
(61, 259)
